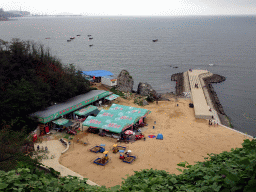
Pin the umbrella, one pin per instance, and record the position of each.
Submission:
(128, 132)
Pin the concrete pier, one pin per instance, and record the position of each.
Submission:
(197, 95)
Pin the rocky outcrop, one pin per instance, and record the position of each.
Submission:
(179, 78)
(124, 82)
(214, 79)
(146, 89)
(215, 100)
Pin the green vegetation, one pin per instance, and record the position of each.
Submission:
(229, 121)
(138, 100)
(117, 92)
(150, 98)
(30, 79)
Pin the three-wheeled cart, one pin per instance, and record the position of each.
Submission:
(117, 148)
(102, 161)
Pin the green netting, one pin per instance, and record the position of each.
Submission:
(117, 118)
(85, 110)
(112, 97)
(61, 121)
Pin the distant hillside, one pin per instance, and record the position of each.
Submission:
(4, 15)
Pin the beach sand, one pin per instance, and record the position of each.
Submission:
(184, 139)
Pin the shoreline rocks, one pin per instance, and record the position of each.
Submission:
(179, 78)
(213, 95)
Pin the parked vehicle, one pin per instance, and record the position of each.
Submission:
(93, 130)
(72, 132)
(138, 137)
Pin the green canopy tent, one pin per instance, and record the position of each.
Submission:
(135, 113)
(87, 111)
(112, 97)
(61, 121)
(117, 119)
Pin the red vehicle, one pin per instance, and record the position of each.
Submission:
(138, 137)
(93, 130)
(72, 132)
(142, 125)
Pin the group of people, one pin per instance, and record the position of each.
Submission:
(210, 123)
(38, 148)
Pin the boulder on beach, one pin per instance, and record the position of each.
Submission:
(146, 89)
(144, 102)
(125, 82)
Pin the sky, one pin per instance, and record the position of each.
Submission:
(134, 7)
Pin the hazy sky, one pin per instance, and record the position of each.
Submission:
(134, 7)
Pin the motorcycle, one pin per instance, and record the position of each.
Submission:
(71, 132)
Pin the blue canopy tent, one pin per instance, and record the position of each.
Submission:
(98, 74)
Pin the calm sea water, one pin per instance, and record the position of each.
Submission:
(228, 42)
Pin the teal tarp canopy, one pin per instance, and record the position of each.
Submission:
(86, 110)
(112, 97)
(68, 124)
(117, 118)
(61, 121)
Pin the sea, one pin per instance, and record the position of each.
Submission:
(185, 42)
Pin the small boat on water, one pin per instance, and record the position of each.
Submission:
(72, 37)
(91, 45)
(155, 40)
(68, 40)
(90, 38)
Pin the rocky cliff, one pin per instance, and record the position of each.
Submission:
(125, 81)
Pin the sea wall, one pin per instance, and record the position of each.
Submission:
(213, 95)
(179, 78)
(215, 78)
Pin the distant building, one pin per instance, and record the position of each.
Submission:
(20, 13)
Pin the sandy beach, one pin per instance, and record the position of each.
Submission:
(184, 139)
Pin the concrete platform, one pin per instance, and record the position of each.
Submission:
(197, 95)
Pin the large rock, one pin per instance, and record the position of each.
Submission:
(125, 81)
(145, 89)
(144, 102)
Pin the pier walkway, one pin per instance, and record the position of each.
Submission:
(197, 95)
